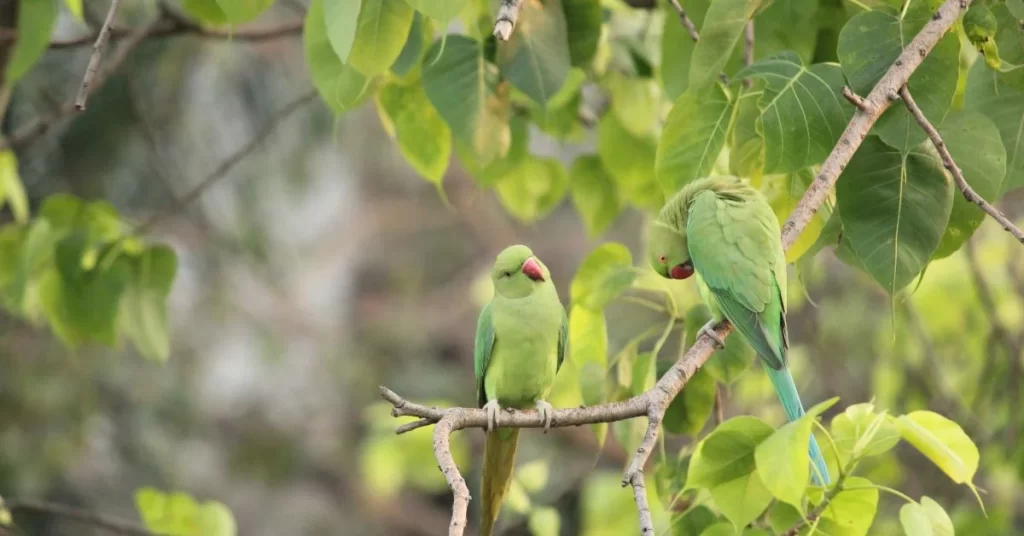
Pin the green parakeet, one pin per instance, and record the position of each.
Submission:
(724, 231)
(520, 344)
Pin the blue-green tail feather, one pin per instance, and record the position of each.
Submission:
(782, 380)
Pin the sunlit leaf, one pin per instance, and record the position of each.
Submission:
(207, 11)
(942, 525)
(423, 137)
(533, 475)
(783, 461)
(630, 160)
(239, 11)
(894, 210)
(914, 520)
(75, 7)
(408, 62)
(178, 514)
(604, 274)
(340, 86)
(341, 20)
(677, 49)
(635, 101)
(12, 192)
(544, 521)
(381, 31)
(534, 189)
(536, 58)
(943, 442)
(35, 23)
(692, 139)
(143, 314)
(441, 10)
(783, 193)
(723, 25)
(802, 113)
(594, 193)
(869, 44)
(692, 408)
(859, 431)
(974, 143)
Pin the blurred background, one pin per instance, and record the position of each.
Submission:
(321, 266)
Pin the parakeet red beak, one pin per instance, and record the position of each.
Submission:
(532, 270)
(682, 271)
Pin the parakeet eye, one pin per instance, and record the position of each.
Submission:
(662, 259)
(682, 271)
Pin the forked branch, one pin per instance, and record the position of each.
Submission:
(655, 401)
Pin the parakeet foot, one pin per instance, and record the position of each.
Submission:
(709, 330)
(493, 409)
(545, 410)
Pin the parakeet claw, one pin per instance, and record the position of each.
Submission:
(709, 330)
(493, 409)
(545, 410)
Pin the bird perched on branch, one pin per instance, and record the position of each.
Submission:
(724, 231)
(520, 344)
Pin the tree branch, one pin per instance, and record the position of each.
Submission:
(227, 165)
(180, 26)
(97, 54)
(109, 523)
(748, 49)
(856, 100)
(958, 176)
(505, 20)
(654, 402)
(687, 23)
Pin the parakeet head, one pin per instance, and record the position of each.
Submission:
(517, 272)
(669, 256)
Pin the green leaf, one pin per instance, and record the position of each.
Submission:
(536, 58)
(339, 85)
(941, 524)
(408, 61)
(859, 431)
(440, 10)
(729, 363)
(630, 160)
(773, 28)
(588, 350)
(677, 49)
(694, 521)
(341, 19)
(871, 41)
(178, 514)
(214, 519)
(207, 11)
(852, 511)
(594, 193)
(802, 115)
(974, 143)
(462, 85)
(239, 11)
(693, 137)
(143, 313)
(534, 189)
(746, 145)
(943, 442)
(1009, 39)
(12, 192)
(1005, 108)
(689, 411)
(35, 24)
(533, 475)
(894, 209)
(783, 193)
(720, 529)
(423, 137)
(783, 461)
(544, 521)
(583, 20)
(518, 152)
(1016, 8)
(915, 520)
(604, 274)
(83, 306)
(724, 464)
(635, 101)
(723, 25)
(380, 35)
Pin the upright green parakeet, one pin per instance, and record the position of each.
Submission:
(520, 344)
(724, 231)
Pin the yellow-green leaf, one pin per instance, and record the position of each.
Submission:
(943, 441)
(423, 137)
(12, 192)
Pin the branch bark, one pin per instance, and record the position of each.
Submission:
(106, 522)
(505, 20)
(97, 55)
(958, 176)
(654, 402)
(687, 23)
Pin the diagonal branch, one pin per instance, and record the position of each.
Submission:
(97, 54)
(958, 176)
(111, 524)
(182, 26)
(655, 401)
(687, 23)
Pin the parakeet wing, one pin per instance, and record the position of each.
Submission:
(733, 249)
(482, 349)
(563, 340)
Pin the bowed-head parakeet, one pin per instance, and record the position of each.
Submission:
(520, 344)
(724, 231)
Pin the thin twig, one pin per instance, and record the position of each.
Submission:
(222, 170)
(958, 176)
(109, 523)
(97, 54)
(816, 512)
(505, 20)
(856, 100)
(687, 23)
(41, 125)
(748, 49)
(180, 26)
(654, 401)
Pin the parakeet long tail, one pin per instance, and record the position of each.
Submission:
(499, 459)
(782, 380)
